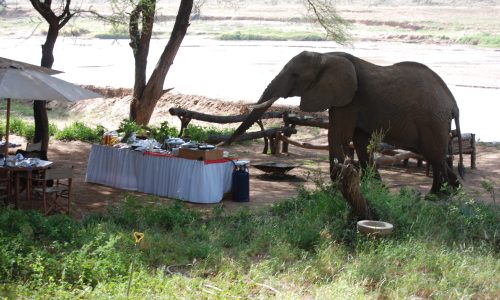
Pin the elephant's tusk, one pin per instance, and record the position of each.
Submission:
(265, 104)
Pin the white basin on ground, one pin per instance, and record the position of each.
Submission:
(374, 227)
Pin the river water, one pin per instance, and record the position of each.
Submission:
(240, 70)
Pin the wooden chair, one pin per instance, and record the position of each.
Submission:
(32, 150)
(33, 147)
(5, 186)
(60, 190)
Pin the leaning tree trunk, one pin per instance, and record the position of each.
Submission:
(56, 22)
(349, 185)
(146, 96)
(40, 107)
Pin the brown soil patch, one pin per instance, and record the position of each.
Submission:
(264, 190)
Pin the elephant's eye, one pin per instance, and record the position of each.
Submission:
(295, 75)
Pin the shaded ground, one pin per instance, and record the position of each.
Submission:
(264, 190)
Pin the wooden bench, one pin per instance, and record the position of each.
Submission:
(468, 146)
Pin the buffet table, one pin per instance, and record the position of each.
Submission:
(167, 176)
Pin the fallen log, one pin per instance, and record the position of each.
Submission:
(393, 157)
(186, 116)
(304, 145)
(181, 112)
(294, 119)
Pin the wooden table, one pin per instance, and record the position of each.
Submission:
(17, 172)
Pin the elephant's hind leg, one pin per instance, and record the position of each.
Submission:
(452, 177)
(442, 173)
(437, 176)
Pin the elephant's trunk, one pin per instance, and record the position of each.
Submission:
(262, 105)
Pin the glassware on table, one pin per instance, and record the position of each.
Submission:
(110, 138)
(106, 139)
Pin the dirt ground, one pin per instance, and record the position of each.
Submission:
(264, 190)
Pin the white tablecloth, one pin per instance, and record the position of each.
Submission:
(172, 177)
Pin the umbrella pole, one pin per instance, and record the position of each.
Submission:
(7, 121)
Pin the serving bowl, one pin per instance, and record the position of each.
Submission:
(275, 167)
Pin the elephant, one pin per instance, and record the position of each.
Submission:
(408, 102)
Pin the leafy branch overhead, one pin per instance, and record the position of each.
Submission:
(327, 16)
(143, 14)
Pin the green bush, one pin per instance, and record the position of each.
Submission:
(164, 131)
(127, 127)
(53, 129)
(200, 134)
(22, 128)
(26, 129)
(80, 131)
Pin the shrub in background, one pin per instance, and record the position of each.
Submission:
(22, 128)
(127, 127)
(26, 129)
(200, 134)
(164, 131)
(80, 131)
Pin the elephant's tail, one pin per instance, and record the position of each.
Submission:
(461, 169)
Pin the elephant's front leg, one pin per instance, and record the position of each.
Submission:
(342, 122)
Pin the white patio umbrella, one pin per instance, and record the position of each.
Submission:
(22, 81)
(6, 63)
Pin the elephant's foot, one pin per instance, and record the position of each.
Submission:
(443, 191)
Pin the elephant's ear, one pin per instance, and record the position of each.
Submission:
(335, 85)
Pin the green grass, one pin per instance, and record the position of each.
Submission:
(267, 34)
(306, 247)
(25, 110)
(482, 39)
(112, 35)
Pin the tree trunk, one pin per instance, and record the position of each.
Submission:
(40, 107)
(349, 185)
(146, 96)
